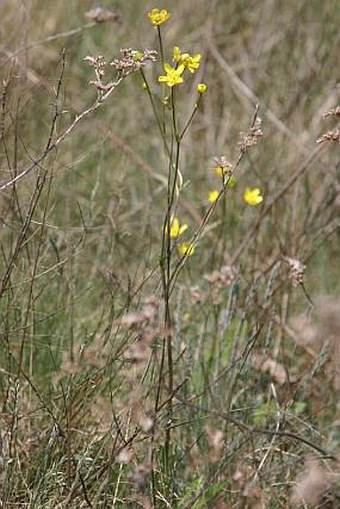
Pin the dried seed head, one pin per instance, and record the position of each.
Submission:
(138, 353)
(251, 137)
(196, 295)
(306, 334)
(333, 112)
(132, 60)
(310, 485)
(146, 315)
(266, 364)
(125, 455)
(216, 441)
(140, 475)
(220, 280)
(242, 474)
(101, 15)
(297, 270)
(223, 163)
(330, 136)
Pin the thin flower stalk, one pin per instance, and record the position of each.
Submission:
(191, 118)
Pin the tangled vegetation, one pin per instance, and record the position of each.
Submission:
(169, 285)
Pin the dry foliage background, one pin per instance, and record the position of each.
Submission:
(84, 419)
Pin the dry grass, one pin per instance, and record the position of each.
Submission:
(131, 376)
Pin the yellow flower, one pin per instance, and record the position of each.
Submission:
(222, 171)
(173, 76)
(177, 229)
(252, 196)
(192, 63)
(176, 54)
(202, 88)
(158, 17)
(186, 249)
(189, 62)
(213, 195)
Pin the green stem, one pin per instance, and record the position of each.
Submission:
(187, 125)
(158, 121)
(160, 44)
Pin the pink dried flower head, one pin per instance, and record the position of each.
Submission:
(216, 439)
(125, 455)
(330, 136)
(220, 280)
(242, 474)
(132, 60)
(137, 353)
(101, 15)
(333, 112)
(266, 364)
(196, 295)
(310, 485)
(297, 270)
(146, 315)
(98, 63)
(140, 475)
(251, 137)
(222, 167)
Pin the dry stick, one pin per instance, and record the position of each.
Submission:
(114, 137)
(49, 147)
(326, 454)
(41, 179)
(62, 137)
(101, 98)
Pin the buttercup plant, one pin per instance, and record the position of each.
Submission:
(177, 229)
(252, 196)
(173, 80)
(164, 338)
(177, 245)
(158, 17)
(213, 196)
(172, 77)
(202, 88)
(191, 63)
